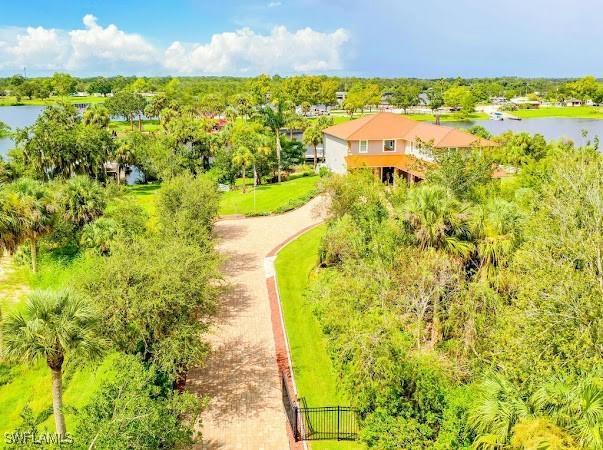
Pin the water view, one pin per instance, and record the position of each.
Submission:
(550, 127)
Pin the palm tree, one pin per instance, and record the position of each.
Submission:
(249, 141)
(274, 117)
(53, 326)
(497, 408)
(313, 137)
(32, 215)
(497, 230)
(437, 220)
(83, 200)
(243, 157)
(576, 407)
(97, 115)
(11, 221)
(124, 155)
(558, 414)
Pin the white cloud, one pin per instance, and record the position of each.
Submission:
(98, 49)
(38, 47)
(245, 51)
(108, 44)
(274, 4)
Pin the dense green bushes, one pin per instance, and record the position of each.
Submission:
(154, 289)
(461, 318)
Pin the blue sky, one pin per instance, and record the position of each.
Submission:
(422, 38)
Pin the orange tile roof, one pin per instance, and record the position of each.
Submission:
(407, 163)
(387, 125)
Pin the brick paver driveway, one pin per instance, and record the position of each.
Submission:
(241, 377)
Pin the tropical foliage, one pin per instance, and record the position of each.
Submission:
(465, 311)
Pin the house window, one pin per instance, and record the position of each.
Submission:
(389, 145)
(363, 147)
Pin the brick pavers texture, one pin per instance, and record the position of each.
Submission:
(241, 378)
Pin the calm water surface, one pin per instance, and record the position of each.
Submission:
(550, 128)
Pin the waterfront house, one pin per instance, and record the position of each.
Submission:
(391, 144)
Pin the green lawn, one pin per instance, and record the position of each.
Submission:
(146, 195)
(314, 374)
(575, 112)
(23, 384)
(12, 100)
(124, 125)
(31, 385)
(269, 198)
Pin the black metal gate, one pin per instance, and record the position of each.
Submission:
(319, 423)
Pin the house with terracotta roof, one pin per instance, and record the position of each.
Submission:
(391, 144)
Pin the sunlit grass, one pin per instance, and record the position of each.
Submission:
(575, 112)
(315, 376)
(269, 198)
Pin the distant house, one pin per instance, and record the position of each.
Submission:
(424, 99)
(386, 98)
(390, 144)
(498, 100)
(573, 102)
(340, 97)
(525, 102)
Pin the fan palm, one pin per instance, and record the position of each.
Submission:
(30, 216)
(97, 115)
(11, 221)
(313, 137)
(53, 326)
(83, 200)
(497, 409)
(497, 228)
(243, 157)
(437, 220)
(124, 154)
(577, 407)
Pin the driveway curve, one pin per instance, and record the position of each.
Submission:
(240, 377)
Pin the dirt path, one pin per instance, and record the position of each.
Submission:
(241, 377)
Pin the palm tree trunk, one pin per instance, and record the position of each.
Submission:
(131, 122)
(33, 247)
(315, 157)
(139, 122)
(244, 179)
(278, 154)
(118, 174)
(57, 401)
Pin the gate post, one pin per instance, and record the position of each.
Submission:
(338, 420)
(296, 434)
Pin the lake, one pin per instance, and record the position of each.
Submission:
(17, 117)
(550, 128)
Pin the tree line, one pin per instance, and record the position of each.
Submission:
(216, 93)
